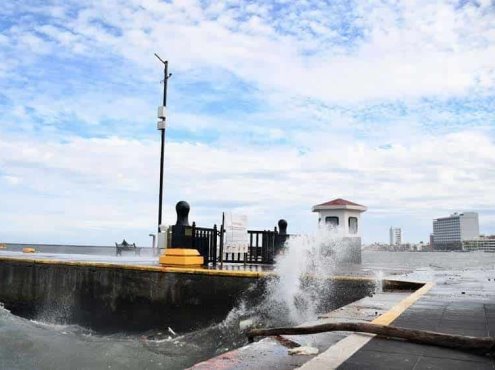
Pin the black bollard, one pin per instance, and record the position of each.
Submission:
(182, 208)
(179, 237)
(183, 237)
(281, 236)
(282, 227)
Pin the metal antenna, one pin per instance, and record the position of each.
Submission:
(161, 127)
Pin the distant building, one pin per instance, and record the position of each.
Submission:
(450, 232)
(344, 216)
(482, 244)
(395, 234)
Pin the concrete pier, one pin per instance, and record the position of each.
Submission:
(112, 297)
(127, 295)
(453, 302)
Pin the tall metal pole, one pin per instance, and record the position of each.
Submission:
(162, 127)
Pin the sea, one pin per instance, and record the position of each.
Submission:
(36, 344)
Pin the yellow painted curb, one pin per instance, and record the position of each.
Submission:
(178, 269)
(389, 316)
(341, 351)
(164, 269)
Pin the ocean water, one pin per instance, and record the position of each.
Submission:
(31, 344)
(75, 249)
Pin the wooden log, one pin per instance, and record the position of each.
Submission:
(482, 345)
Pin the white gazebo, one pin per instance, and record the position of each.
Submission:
(345, 216)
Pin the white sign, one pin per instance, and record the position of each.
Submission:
(236, 236)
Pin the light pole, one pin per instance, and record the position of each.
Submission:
(161, 125)
(153, 244)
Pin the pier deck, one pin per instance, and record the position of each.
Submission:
(459, 303)
(452, 301)
(455, 302)
(472, 318)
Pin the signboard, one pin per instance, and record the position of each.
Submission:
(236, 236)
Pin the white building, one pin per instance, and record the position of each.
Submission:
(395, 234)
(482, 244)
(450, 232)
(341, 213)
(345, 216)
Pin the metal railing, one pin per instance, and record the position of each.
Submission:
(261, 249)
(205, 240)
(264, 245)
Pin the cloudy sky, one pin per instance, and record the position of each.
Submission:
(273, 108)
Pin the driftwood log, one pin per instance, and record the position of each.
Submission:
(481, 345)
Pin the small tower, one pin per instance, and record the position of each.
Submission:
(345, 216)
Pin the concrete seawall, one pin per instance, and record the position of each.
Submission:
(113, 297)
(118, 298)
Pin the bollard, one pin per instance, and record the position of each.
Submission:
(182, 208)
(281, 237)
(181, 227)
(181, 253)
(282, 227)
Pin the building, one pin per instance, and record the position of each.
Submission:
(344, 216)
(395, 235)
(482, 244)
(450, 232)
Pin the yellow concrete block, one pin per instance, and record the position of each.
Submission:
(28, 250)
(181, 261)
(181, 257)
(181, 252)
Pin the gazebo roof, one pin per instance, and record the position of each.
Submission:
(339, 203)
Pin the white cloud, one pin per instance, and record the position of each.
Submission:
(11, 180)
(351, 101)
(411, 49)
(111, 183)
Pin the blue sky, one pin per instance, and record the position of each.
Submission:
(273, 107)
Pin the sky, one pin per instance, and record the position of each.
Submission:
(273, 107)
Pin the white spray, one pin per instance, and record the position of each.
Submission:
(302, 270)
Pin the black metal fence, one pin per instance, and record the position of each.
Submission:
(261, 249)
(264, 245)
(206, 240)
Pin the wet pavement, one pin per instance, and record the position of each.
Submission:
(461, 301)
(272, 352)
(470, 318)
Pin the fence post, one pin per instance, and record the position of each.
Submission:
(213, 244)
(222, 228)
(193, 235)
(264, 246)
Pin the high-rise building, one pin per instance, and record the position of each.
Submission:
(450, 232)
(395, 234)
